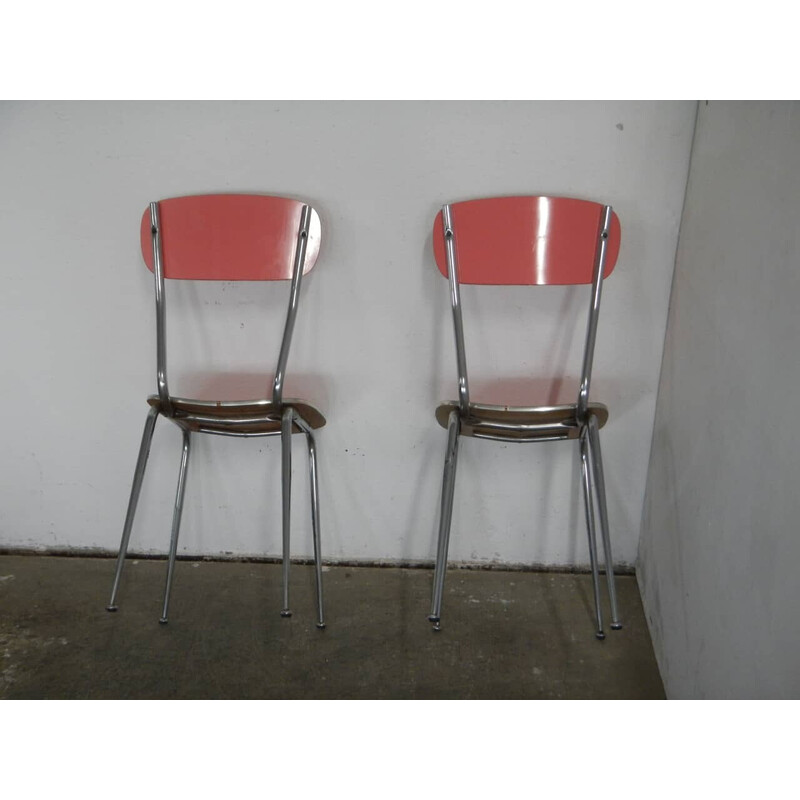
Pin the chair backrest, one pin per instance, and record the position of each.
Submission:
(526, 240)
(230, 237)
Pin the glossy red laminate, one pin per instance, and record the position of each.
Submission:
(229, 237)
(526, 240)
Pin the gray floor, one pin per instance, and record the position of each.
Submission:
(505, 634)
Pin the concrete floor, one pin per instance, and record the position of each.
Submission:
(505, 634)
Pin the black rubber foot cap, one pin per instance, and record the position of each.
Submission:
(286, 613)
(163, 621)
(321, 626)
(600, 635)
(616, 626)
(111, 608)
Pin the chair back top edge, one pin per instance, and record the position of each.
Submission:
(230, 237)
(526, 240)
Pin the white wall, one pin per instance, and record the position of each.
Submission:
(373, 345)
(720, 548)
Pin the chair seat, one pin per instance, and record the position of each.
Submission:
(237, 417)
(525, 424)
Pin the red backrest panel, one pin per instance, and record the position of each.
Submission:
(526, 240)
(230, 237)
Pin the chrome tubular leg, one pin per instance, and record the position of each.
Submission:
(600, 490)
(587, 495)
(176, 522)
(312, 465)
(286, 483)
(445, 516)
(138, 475)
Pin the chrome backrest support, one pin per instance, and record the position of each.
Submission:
(161, 307)
(594, 313)
(297, 276)
(455, 299)
(161, 313)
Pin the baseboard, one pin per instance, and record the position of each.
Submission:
(99, 552)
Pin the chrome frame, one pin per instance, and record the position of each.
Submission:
(291, 314)
(161, 312)
(455, 301)
(445, 517)
(291, 421)
(594, 314)
(592, 479)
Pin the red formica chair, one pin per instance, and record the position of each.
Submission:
(527, 241)
(229, 237)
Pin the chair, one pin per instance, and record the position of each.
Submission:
(527, 241)
(231, 238)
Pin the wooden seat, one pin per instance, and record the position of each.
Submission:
(239, 417)
(522, 424)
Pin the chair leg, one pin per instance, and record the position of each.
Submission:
(445, 517)
(600, 489)
(587, 495)
(312, 465)
(138, 475)
(176, 522)
(286, 483)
